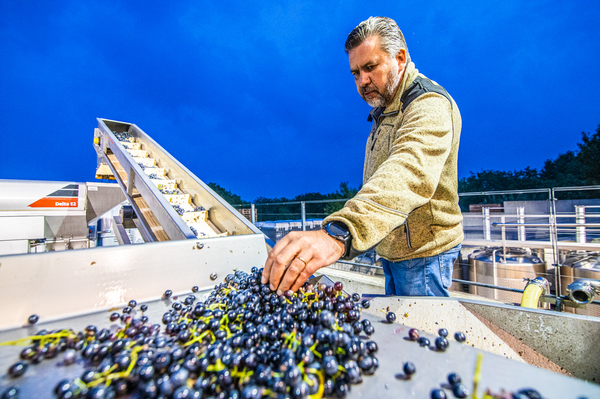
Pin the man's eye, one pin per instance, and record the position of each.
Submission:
(369, 68)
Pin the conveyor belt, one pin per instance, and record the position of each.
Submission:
(170, 202)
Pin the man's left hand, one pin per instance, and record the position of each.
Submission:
(297, 256)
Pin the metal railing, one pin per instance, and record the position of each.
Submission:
(545, 228)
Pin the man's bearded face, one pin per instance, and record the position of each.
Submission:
(376, 74)
(381, 96)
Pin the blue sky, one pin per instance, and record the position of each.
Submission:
(258, 97)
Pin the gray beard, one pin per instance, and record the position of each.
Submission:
(385, 98)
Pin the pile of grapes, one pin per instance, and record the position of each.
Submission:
(243, 341)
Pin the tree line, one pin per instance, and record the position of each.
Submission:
(283, 211)
(572, 168)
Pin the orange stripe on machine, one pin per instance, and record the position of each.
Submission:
(55, 202)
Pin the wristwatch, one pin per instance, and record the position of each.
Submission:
(340, 232)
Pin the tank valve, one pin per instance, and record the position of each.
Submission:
(582, 291)
(534, 289)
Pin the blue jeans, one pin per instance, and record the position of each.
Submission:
(430, 276)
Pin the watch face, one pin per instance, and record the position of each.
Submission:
(337, 230)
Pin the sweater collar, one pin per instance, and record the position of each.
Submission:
(410, 73)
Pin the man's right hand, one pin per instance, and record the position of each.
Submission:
(297, 256)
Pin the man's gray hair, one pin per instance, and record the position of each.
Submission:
(391, 38)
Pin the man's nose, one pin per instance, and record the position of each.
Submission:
(364, 79)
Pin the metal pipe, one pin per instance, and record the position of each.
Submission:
(303, 212)
(583, 290)
(496, 224)
(494, 271)
(480, 193)
(496, 287)
(521, 220)
(579, 188)
(580, 219)
(359, 264)
(487, 233)
(554, 241)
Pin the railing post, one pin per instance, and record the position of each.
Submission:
(580, 219)
(556, 255)
(252, 215)
(487, 227)
(303, 211)
(521, 219)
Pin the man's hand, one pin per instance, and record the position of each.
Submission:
(285, 270)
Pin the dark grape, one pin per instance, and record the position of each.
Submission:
(409, 368)
(10, 393)
(460, 391)
(390, 317)
(460, 336)
(17, 369)
(438, 394)
(33, 319)
(413, 334)
(454, 379)
(441, 343)
(530, 393)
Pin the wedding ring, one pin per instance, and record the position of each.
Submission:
(305, 262)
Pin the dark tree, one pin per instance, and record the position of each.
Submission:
(232, 199)
(589, 156)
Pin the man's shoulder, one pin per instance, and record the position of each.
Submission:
(419, 86)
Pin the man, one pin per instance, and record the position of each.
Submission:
(408, 207)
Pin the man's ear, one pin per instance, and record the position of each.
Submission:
(401, 59)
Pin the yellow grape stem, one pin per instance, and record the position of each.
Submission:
(313, 349)
(321, 390)
(477, 374)
(41, 338)
(196, 339)
(217, 367)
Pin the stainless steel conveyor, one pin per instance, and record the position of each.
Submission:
(154, 182)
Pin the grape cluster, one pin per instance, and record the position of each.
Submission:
(167, 191)
(197, 233)
(123, 136)
(244, 341)
(178, 209)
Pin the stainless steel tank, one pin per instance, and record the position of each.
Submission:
(460, 270)
(576, 265)
(505, 267)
